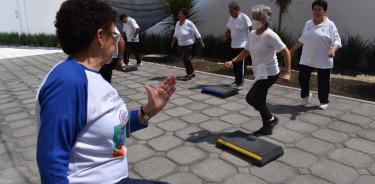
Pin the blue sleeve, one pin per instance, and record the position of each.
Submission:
(135, 125)
(63, 114)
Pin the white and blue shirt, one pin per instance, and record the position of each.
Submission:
(81, 127)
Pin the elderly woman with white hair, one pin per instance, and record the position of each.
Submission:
(263, 44)
(320, 40)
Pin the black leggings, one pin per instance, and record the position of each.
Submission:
(238, 67)
(132, 48)
(106, 70)
(257, 96)
(186, 54)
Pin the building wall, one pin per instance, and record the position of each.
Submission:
(351, 16)
(28, 16)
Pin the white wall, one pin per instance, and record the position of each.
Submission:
(28, 16)
(351, 16)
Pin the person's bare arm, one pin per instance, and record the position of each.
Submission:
(295, 47)
(201, 43)
(241, 56)
(173, 42)
(287, 64)
(226, 35)
(332, 51)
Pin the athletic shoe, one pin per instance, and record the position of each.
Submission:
(188, 77)
(305, 101)
(267, 128)
(323, 106)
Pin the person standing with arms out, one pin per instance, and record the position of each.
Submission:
(238, 28)
(263, 44)
(131, 30)
(320, 40)
(186, 34)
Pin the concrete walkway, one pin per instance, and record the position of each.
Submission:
(336, 145)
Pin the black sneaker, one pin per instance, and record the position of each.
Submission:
(188, 77)
(267, 129)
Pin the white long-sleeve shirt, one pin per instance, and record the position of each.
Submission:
(317, 40)
(186, 34)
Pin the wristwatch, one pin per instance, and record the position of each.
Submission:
(145, 116)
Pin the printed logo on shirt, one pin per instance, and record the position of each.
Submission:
(119, 135)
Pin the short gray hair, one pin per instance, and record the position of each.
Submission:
(234, 5)
(265, 12)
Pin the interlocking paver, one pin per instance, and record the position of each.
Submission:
(336, 145)
(275, 172)
(351, 157)
(186, 155)
(334, 172)
(214, 170)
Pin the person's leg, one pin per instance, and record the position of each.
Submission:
(137, 52)
(187, 56)
(106, 71)
(257, 97)
(238, 69)
(126, 53)
(304, 79)
(324, 82)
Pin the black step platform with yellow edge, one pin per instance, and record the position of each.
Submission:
(222, 91)
(260, 152)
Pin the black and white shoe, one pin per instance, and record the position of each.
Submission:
(267, 128)
(188, 77)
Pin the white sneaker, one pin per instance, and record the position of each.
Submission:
(138, 65)
(305, 101)
(233, 85)
(239, 87)
(323, 106)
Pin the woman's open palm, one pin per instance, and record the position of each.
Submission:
(158, 97)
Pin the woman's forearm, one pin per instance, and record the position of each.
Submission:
(287, 60)
(296, 47)
(241, 56)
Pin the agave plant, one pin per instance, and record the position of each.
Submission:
(283, 9)
(370, 52)
(172, 8)
(352, 52)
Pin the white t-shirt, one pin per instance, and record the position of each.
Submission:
(239, 30)
(129, 29)
(263, 50)
(317, 41)
(115, 53)
(186, 34)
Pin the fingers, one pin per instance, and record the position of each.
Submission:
(150, 91)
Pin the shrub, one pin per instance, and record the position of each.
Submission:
(352, 53)
(156, 43)
(45, 40)
(370, 54)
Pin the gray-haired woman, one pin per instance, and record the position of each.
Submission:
(262, 45)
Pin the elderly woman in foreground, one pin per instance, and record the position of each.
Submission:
(263, 44)
(81, 117)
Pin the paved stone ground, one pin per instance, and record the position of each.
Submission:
(332, 146)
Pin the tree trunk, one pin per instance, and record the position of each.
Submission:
(280, 19)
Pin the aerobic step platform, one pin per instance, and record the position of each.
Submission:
(260, 152)
(220, 91)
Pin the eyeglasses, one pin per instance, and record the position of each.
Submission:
(116, 36)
